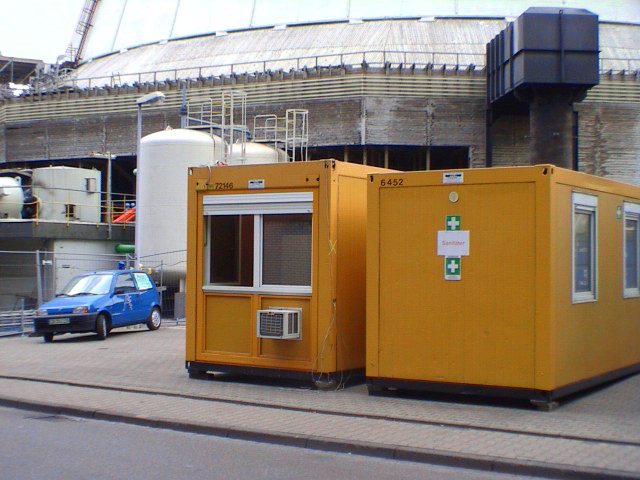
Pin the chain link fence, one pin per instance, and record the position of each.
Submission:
(28, 279)
(168, 271)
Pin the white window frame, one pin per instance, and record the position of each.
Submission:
(258, 205)
(586, 204)
(631, 211)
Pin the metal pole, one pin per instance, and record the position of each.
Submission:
(38, 278)
(109, 193)
(22, 315)
(138, 213)
(161, 281)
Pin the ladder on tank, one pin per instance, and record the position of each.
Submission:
(289, 133)
(225, 117)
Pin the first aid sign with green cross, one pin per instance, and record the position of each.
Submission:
(452, 268)
(453, 244)
(452, 223)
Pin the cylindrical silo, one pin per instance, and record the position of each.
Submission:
(161, 197)
(67, 193)
(11, 197)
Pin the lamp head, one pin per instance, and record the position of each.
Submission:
(151, 97)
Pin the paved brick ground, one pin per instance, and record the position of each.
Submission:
(139, 376)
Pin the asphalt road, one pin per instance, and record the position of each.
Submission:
(37, 446)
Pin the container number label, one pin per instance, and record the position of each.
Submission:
(392, 182)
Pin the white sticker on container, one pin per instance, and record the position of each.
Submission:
(453, 243)
(255, 183)
(452, 177)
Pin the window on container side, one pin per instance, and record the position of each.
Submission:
(631, 249)
(286, 249)
(583, 246)
(231, 250)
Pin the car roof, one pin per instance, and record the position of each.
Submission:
(110, 272)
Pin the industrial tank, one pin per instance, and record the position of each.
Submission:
(68, 194)
(161, 197)
(11, 197)
(255, 153)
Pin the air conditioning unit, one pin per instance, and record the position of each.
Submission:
(278, 323)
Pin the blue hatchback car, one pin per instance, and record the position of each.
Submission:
(99, 301)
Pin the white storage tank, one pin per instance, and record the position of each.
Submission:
(68, 194)
(255, 153)
(161, 197)
(11, 197)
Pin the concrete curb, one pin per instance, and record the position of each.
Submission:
(371, 449)
(139, 391)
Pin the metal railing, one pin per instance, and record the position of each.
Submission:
(362, 59)
(168, 270)
(67, 205)
(16, 322)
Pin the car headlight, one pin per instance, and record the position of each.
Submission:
(41, 312)
(82, 309)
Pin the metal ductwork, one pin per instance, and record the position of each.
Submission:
(547, 58)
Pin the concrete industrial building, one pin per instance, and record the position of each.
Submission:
(385, 83)
(394, 84)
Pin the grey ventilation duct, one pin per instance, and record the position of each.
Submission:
(547, 58)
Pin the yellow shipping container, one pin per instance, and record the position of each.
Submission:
(276, 270)
(521, 282)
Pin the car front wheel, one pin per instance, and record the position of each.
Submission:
(102, 328)
(48, 337)
(155, 319)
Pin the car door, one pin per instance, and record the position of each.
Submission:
(125, 300)
(148, 295)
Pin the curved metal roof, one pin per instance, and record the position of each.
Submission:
(120, 24)
(450, 41)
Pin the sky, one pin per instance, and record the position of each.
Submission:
(38, 29)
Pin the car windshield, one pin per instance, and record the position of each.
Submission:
(99, 284)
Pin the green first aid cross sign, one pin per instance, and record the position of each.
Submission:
(452, 222)
(452, 268)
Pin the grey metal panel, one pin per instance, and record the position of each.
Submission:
(144, 21)
(27, 230)
(197, 17)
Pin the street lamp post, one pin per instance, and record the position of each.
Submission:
(152, 97)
